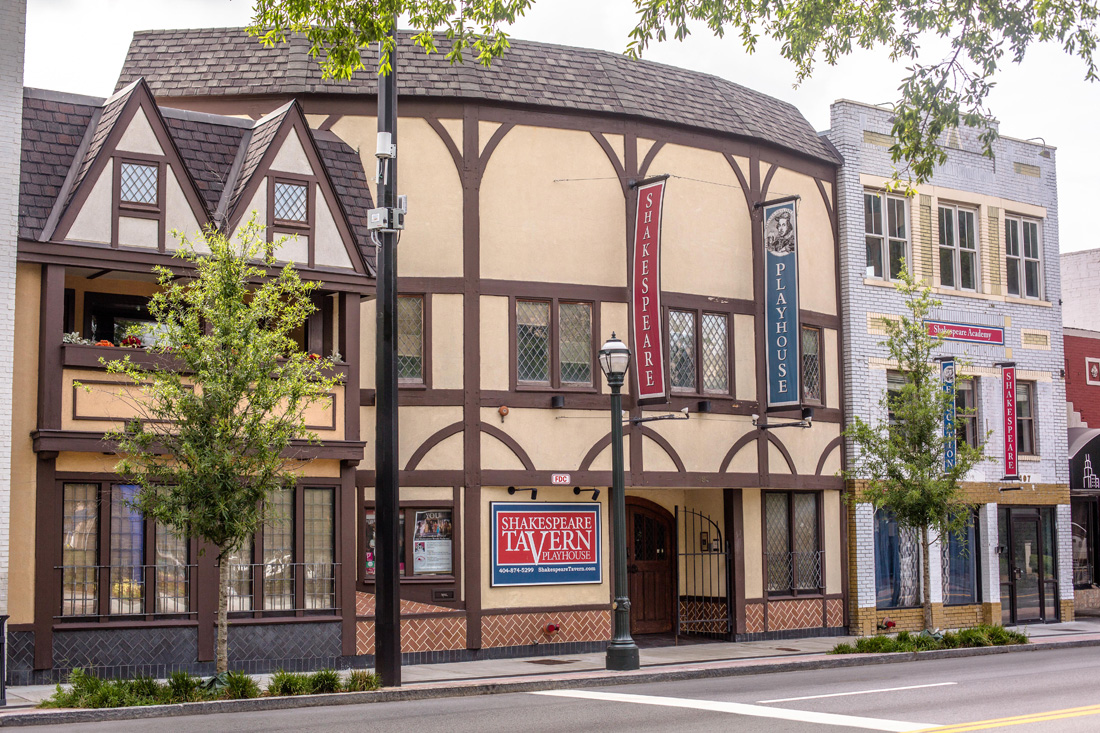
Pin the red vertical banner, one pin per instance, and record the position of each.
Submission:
(1008, 385)
(645, 298)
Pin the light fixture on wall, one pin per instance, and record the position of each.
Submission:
(595, 492)
(534, 492)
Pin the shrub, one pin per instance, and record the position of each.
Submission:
(875, 644)
(240, 686)
(843, 649)
(977, 636)
(323, 681)
(360, 680)
(288, 683)
(183, 687)
(146, 688)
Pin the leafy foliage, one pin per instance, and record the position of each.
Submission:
(240, 686)
(360, 680)
(338, 30)
(225, 398)
(285, 683)
(977, 636)
(935, 97)
(324, 681)
(901, 462)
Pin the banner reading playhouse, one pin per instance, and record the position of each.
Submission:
(545, 544)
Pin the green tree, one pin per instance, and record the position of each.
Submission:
(936, 96)
(900, 461)
(222, 406)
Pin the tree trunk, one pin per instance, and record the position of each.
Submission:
(222, 653)
(926, 576)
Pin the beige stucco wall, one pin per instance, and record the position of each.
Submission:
(816, 251)
(706, 238)
(447, 341)
(834, 553)
(139, 136)
(494, 343)
(178, 215)
(431, 244)
(291, 157)
(701, 441)
(23, 461)
(539, 219)
(138, 232)
(255, 210)
(328, 245)
(754, 551)
(555, 440)
(93, 222)
(417, 424)
(545, 595)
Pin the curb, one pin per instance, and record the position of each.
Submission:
(442, 690)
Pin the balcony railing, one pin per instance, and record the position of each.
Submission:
(794, 571)
(133, 590)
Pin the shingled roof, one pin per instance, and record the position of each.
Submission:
(64, 133)
(227, 62)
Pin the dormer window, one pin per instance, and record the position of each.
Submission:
(291, 203)
(138, 184)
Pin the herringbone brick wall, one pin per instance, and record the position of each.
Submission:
(754, 618)
(517, 629)
(834, 612)
(364, 606)
(702, 616)
(425, 634)
(801, 614)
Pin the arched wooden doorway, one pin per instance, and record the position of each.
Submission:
(650, 552)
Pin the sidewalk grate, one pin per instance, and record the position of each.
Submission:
(552, 661)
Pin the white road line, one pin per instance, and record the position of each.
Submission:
(737, 708)
(856, 692)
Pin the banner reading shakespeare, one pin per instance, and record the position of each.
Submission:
(781, 278)
(646, 343)
(1008, 384)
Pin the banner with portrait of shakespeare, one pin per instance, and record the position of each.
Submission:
(780, 224)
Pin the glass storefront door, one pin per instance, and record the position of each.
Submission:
(1029, 583)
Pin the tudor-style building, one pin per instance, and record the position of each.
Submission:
(513, 269)
(104, 185)
(983, 234)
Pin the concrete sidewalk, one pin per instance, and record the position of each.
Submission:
(690, 659)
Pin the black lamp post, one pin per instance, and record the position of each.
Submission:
(622, 652)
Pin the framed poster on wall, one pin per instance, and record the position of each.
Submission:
(545, 544)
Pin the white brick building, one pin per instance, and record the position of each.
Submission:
(984, 233)
(12, 31)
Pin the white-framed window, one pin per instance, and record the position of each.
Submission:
(959, 248)
(1023, 257)
(886, 230)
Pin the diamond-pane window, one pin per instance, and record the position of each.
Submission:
(320, 572)
(794, 555)
(278, 567)
(532, 341)
(681, 349)
(811, 364)
(715, 354)
(290, 202)
(410, 338)
(575, 343)
(138, 184)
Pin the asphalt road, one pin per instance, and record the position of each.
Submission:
(1054, 690)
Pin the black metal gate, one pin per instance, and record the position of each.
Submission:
(704, 604)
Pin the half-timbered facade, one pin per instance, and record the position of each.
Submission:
(106, 187)
(513, 270)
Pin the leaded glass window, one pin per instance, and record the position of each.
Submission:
(410, 338)
(291, 202)
(681, 349)
(80, 551)
(533, 341)
(240, 577)
(319, 556)
(715, 353)
(279, 551)
(171, 584)
(138, 184)
(793, 542)
(127, 552)
(575, 343)
(811, 364)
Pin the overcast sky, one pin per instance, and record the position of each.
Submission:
(79, 45)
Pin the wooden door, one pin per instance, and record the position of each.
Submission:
(650, 543)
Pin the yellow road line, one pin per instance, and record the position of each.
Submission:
(1017, 720)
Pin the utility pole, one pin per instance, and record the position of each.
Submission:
(386, 220)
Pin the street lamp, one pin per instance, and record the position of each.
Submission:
(622, 652)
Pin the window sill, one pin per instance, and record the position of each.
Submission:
(537, 387)
(1030, 457)
(779, 595)
(418, 580)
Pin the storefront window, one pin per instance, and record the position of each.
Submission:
(897, 563)
(960, 565)
(794, 551)
(371, 556)
(127, 551)
(1084, 542)
(279, 551)
(320, 570)
(80, 533)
